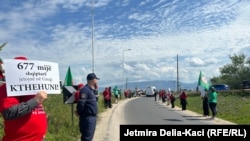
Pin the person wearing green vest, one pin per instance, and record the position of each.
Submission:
(212, 101)
(116, 93)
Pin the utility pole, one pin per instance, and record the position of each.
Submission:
(93, 54)
(126, 83)
(177, 75)
(123, 65)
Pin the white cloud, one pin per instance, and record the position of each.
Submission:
(195, 61)
(155, 36)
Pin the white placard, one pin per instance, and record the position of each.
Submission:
(27, 77)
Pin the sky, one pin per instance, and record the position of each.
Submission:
(137, 40)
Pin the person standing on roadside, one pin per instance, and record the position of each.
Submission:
(116, 94)
(110, 94)
(168, 97)
(205, 106)
(155, 94)
(77, 93)
(183, 99)
(87, 108)
(172, 99)
(212, 101)
(120, 93)
(106, 97)
(24, 116)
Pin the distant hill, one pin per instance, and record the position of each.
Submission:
(160, 84)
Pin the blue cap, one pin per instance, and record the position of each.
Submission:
(92, 76)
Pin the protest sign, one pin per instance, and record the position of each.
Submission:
(27, 77)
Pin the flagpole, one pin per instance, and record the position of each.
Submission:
(69, 82)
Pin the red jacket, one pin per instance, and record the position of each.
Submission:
(172, 97)
(30, 127)
(183, 95)
(77, 93)
(106, 94)
(164, 94)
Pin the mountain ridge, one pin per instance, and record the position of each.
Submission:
(159, 84)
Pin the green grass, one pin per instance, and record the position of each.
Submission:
(62, 126)
(231, 106)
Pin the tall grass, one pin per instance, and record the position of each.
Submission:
(232, 105)
(62, 122)
(62, 125)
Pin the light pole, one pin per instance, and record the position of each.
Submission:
(124, 67)
(178, 85)
(93, 58)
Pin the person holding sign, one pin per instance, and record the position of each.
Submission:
(87, 108)
(24, 116)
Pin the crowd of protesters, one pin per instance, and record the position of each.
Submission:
(165, 96)
(108, 93)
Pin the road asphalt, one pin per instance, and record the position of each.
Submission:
(109, 121)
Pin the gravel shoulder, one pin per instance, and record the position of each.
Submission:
(109, 121)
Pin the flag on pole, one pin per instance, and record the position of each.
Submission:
(68, 78)
(202, 81)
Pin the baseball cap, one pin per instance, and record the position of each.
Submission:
(92, 76)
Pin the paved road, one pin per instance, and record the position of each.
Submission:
(144, 110)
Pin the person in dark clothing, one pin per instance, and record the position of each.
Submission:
(155, 94)
(164, 96)
(183, 99)
(205, 105)
(110, 100)
(172, 100)
(87, 108)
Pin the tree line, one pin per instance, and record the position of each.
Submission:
(235, 72)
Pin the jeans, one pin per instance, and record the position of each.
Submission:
(183, 104)
(205, 107)
(213, 108)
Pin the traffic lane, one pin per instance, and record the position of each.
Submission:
(145, 110)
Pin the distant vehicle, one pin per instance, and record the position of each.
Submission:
(245, 84)
(150, 91)
(221, 87)
(140, 92)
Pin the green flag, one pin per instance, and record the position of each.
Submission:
(202, 81)
(68, 78)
